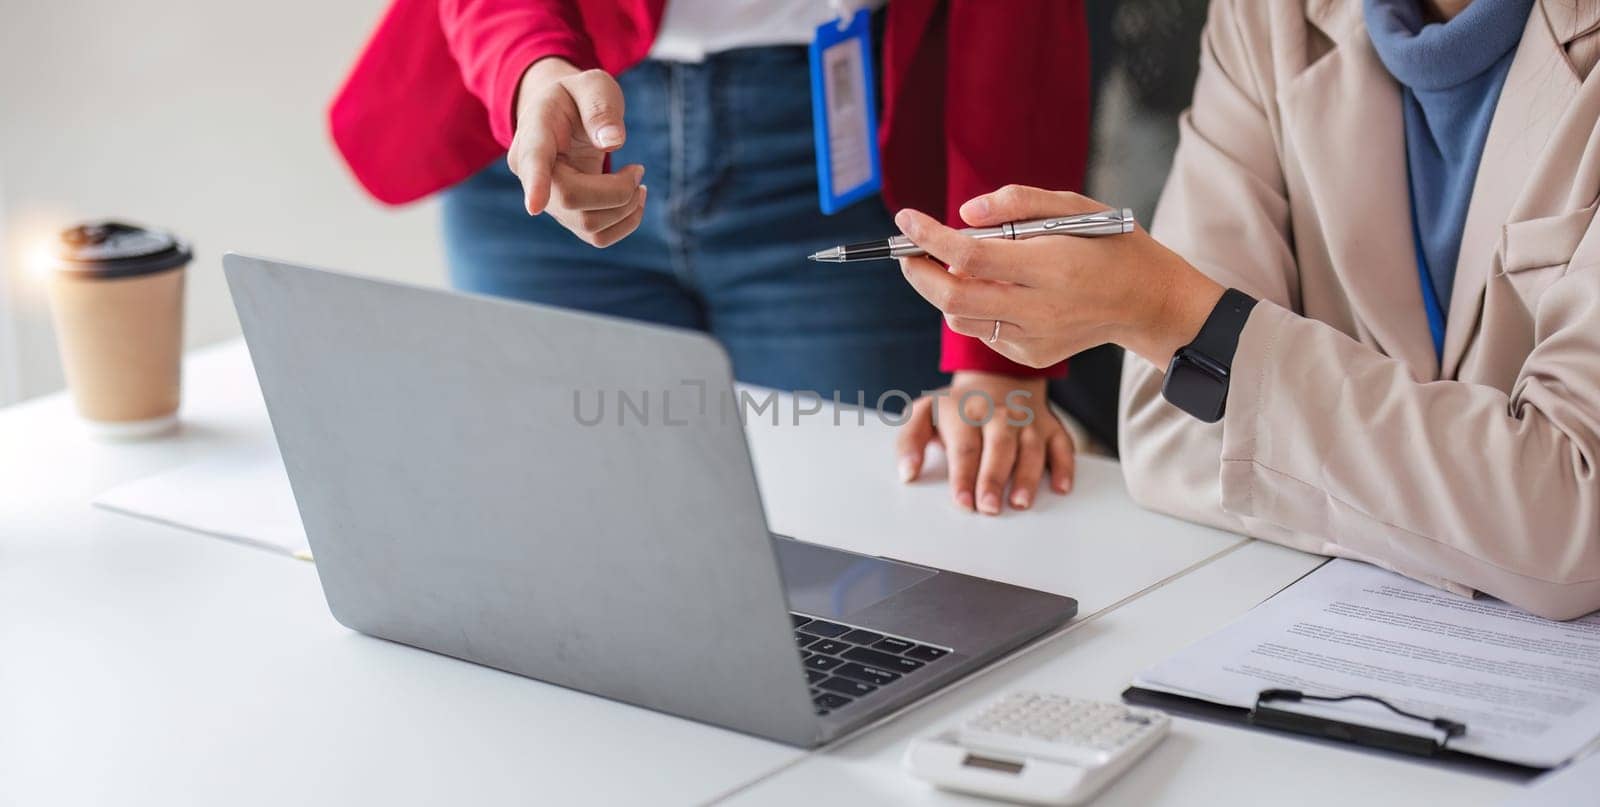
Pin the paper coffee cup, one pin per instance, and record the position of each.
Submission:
(117, 298)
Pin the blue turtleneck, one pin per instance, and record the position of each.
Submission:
(1451, 73)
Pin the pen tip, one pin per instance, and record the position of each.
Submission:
(811, 257)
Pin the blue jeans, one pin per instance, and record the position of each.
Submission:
(731, 217)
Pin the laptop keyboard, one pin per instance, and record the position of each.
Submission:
(845, 662)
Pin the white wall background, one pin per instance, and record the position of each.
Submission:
(9, 388)
(201, 116)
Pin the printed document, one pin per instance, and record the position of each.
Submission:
(1527, 688)
(241, 496)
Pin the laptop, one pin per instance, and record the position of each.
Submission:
(570, 498)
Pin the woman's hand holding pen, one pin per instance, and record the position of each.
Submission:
(1054, 297)
(567, 122)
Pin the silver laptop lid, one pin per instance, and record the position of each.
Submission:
(455, 501)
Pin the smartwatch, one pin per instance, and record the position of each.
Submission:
(1197, 379)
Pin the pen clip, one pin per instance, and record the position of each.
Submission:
(1102, 217)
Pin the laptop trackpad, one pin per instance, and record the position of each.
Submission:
(833, 583)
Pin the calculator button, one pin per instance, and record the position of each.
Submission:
(1058, 727)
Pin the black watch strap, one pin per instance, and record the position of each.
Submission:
(1218, 338)
(1197, 380)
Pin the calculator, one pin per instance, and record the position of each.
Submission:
(1038, 748)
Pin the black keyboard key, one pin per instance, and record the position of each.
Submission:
(893, 645)
(871, 675)
(798, 620)
(802, 638)
(859, 636)
(830, 646)
(829, 700)
(823, 627)
(846, 686)
(813, 676)
(878, 658)
(923, 652)
(822, 662)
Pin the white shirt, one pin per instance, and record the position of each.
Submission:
(691, 29)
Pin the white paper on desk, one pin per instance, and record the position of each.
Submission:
(1527, 688)
(242, 496)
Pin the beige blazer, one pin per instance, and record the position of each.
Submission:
(1344, 435)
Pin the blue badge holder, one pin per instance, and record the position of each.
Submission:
(830, 35)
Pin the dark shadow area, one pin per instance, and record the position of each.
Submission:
(1144, 57)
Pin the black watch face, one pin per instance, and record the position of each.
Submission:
(1194, 390)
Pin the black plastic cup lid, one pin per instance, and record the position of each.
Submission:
(108, 249)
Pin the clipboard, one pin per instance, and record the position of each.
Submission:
(1324, 731)
(1288, 665)
(1315, 729)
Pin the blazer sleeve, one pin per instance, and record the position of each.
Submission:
(961, 353)
(494, 42)
(1331, 447)
(1038, 136)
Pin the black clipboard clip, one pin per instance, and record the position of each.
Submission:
(1284, 720)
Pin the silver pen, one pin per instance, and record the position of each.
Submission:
(1105, 222)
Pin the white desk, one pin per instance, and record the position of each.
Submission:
(143, 664)
(1199, 763)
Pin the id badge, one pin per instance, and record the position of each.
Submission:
(844, 113)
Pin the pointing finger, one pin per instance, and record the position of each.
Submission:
(989, 258)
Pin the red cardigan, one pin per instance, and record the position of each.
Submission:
(976, 96)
